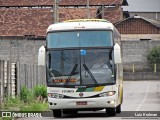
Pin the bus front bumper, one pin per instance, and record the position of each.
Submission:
(99, 102)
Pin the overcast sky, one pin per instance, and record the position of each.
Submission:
(143, 6)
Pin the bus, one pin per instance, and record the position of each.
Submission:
(83, 65)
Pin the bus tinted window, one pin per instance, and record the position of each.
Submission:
(79, 39)
(69, 68)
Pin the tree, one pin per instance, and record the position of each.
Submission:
(154, 55)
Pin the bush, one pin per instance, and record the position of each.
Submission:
(40, 91)
(26, 95)
(26, 100)
(154, 55)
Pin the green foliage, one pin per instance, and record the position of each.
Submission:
(26, 95)
(26, 100)
(40, 90)
(13, 103)
(7, 118)
(154, 55)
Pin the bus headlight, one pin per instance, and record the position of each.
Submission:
(55, 95)
(106, 94)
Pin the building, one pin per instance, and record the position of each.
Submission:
(145, 8)
(139, 35)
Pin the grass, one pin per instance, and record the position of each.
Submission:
(35, 107)
(27, 101)
(15, 104)
(18, 105)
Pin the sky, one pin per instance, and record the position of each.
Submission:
(142, 6)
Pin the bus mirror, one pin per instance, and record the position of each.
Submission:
(117, 54)
(41, 56)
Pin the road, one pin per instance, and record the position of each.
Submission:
(139, 96)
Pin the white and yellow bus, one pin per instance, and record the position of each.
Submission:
(83, 67)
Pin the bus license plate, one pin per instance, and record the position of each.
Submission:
(81, 103)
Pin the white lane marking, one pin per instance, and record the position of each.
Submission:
(146, 94)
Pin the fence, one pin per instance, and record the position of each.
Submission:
(15, 75)
(7, 79)
(141, 71)
(30, 75)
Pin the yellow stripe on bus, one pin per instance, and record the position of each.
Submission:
(87, 20)
(97, 89)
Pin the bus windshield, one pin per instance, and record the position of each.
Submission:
(80, 67)
(87, 38)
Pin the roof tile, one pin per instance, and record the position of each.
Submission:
(76, 13)
(113, 15)
(35, 21)
(25, 2)
(20, 22)
(91, 2)
(62, 2)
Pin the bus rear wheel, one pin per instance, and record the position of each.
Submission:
(57, 113)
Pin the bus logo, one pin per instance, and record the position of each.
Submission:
(6, 114)
(81, 94)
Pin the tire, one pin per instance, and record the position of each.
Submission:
(111, 111)
(57, 113)
(118, 109)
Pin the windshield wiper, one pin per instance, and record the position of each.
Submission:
(72, 73)
(89, 72)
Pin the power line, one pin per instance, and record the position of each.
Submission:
(106, 8)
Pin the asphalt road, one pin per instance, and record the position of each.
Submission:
(140, 98)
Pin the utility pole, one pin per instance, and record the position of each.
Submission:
(56, 11)
(88, 14)
(102, 11)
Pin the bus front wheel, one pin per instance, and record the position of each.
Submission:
(57, 113)
(111, 111)
(118, 108)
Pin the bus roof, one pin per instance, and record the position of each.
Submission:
(81, 24)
